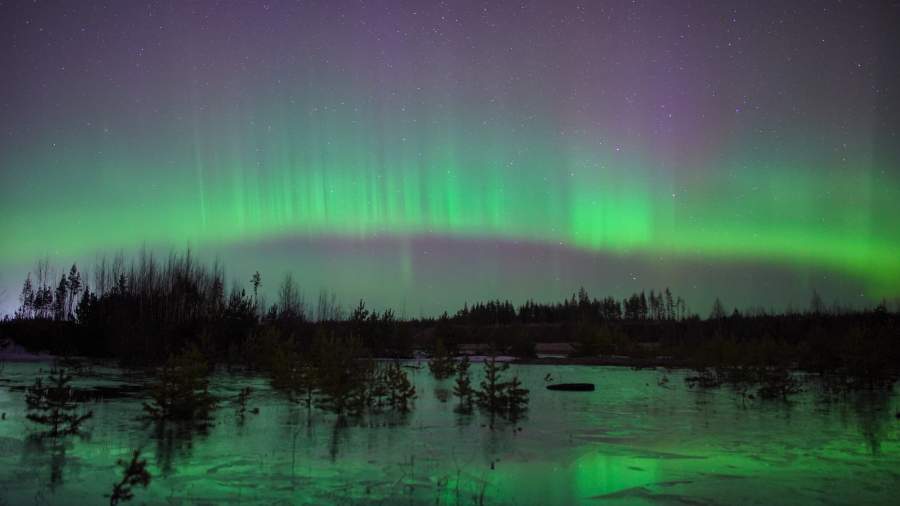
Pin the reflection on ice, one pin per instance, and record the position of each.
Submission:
(634, 440)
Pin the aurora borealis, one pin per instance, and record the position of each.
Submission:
(424, 154)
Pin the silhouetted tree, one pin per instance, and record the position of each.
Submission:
(242, 398)
(490, 396)
(86, 306)
(134, 474)
(343, 375)
(54, 405)
(400, 391)
(75, 288)
(516, 398)
(718, 310)
(463, 388)
(43, 302)
(610, 309)
(290, 303)
(328, 309)
(26, 300)
(256, 281)
(60, 304)
(498, 396)
(441, 364)
(670, 305)
(816, 306)
(181, 392)
(295, 375)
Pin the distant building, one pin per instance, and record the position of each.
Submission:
(549, 350)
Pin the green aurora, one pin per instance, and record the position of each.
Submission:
(620, 136)
(291, 184)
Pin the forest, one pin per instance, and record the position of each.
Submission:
(142, 311)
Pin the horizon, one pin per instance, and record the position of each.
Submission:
(269, 287)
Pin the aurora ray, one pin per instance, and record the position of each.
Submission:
(456, 127)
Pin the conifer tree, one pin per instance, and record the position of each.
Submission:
(74, 280)
(400, 391)
(26, 299)
(59, 304)
(490, 396)
(463, 388)
(134, 473)
(182, 390)
(54, 405)
(516, 397)
(441, 364)
(295, 375)
(718, 310)
(498, 396)
(343, 376)
(242, 398)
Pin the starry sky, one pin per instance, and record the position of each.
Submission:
(423, 154)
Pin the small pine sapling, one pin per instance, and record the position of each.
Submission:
(442, 365)
(54, 405)
(134, 473)
(463, 388)
(182, 391)
(401, 391)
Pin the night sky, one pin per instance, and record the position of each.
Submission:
(421, 154)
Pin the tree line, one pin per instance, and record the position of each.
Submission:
(148, 308)
(657, 306)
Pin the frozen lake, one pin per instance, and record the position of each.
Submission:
(631, 441)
